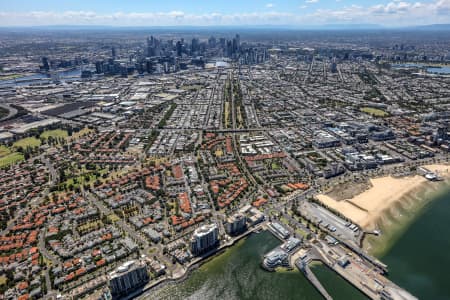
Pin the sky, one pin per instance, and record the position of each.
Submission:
(223, 12)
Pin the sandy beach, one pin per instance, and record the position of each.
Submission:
(366, 208)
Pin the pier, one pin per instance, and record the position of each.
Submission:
(358, 271)
(361, 270)
(304, 267)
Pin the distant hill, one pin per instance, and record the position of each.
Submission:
(72, 27)
(443, 27)
(351, 26)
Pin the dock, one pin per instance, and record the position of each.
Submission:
(304, 267)
(364, 272)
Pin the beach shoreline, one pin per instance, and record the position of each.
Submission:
(389, 205)
(366, 208)
(402, 215)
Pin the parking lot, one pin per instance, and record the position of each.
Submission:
(329, 221)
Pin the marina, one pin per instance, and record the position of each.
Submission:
(363, 272)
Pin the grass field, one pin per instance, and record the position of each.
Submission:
(82, 132)
(239, 117)
(158, 160)
(7, 157)
(301, 232)
(57, 133)
(374, 111)
(88, 227)
(4, 150)
(81, 177)
(227, 113)
(113, 218)
(284, 220)
(27, 142)
(275, 166)
(10, 159)
(3, 280)
(10, 77)
(274, 212)
(285, 270)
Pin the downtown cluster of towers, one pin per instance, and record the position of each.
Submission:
(168, 56)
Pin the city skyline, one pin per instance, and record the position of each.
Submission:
(234, 13)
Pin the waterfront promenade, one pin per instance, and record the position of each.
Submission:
(195, 263)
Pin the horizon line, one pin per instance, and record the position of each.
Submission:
(342, 26)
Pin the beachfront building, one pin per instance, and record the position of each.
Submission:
(204, 238)
(236, 224)
(276, 258)
(279, 230)
(127, 278)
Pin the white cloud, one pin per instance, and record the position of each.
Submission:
(143, 18)
(311, 1)
(393, 13)
(397, 12)
(443, 7)
(270, 5)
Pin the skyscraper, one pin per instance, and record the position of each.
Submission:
(179, 48)
(149, 67)
(127, 277)
(99, 67)
(194, 45)
(212, 42)
(45, 64)
(204, 238)
(236, 224)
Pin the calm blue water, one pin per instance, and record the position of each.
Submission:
(419, 261)
(433, 70)
(237, 275)
(442, 70)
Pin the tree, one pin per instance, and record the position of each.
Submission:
(62, 175)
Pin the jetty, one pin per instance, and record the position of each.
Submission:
(357, 270)
(361, 270)
(304, 267)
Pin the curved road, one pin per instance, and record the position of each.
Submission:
(11, 111)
